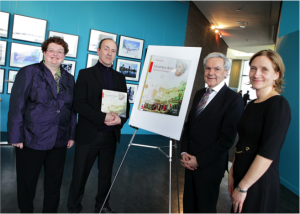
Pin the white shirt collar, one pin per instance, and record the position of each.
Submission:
(219, 86)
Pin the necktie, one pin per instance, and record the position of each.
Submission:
(202, 103)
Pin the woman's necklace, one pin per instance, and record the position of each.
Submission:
(266, 97)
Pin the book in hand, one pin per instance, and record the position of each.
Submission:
(114, 102)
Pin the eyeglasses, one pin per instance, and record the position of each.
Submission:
(58, 52)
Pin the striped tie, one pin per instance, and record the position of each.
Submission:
(202, 103)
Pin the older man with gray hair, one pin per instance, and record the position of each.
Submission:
(208, 135)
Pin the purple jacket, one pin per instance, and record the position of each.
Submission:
(38, 116)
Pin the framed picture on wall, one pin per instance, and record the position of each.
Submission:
(131, 47)
(4, 17)
(96, 36)
(72, 41)
(69, 66)
(131, 92)
(29, 29)
(11, 78)
(22, 55)
(91, 60)
(130, 69)
(1, 81)
(3, 45)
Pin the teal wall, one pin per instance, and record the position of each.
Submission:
(288, 47)
(158, 23)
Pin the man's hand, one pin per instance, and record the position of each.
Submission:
(109, 117)
(189, 161)
(70, 144)
(116, 120)
(20, 145)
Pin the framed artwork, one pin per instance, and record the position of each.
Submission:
(69, 66)
(29, 29)
(96, 36)
(3, 45)
(72, 41)
(4, 17)
(22, 55)
(131, 47)
(131, 92)
(130, 69)
(1, 81)
(92, 60)
(11, 78)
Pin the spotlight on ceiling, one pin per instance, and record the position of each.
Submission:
(213, 27)
(216, 31)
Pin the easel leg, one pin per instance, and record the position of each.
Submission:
(118, 169)
(170, 179)
(177, 174)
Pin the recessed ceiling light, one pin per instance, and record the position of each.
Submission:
(242, 26)
(216, 31)
(213, 27)
(242, 23)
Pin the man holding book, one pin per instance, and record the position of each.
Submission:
(97, 133)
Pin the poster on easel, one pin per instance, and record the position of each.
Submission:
(165, 89)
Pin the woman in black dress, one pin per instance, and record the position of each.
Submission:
(253, 180)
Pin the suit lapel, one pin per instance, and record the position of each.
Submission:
(98, 75)
(50, 79)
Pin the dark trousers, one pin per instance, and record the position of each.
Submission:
(104, 147)
(29, 163)
(200, 192)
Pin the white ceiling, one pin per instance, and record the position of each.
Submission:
(262, 18)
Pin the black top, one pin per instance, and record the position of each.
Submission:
(262, 130)
(108, 85)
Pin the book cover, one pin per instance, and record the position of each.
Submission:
(114, 102)
(164, 85)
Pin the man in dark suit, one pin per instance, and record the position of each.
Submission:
(208, 135)
(97, 133)
(246, 97)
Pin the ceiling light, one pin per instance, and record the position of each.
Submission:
(213, 27)
(220, 35)
(238, 10)
(242, 23)
(242, 26)
(216, 31)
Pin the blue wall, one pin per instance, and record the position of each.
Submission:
(158, 23)
(288, 48)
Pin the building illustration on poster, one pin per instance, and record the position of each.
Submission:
(165, 85)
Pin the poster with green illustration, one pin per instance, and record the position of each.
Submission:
(164, 85)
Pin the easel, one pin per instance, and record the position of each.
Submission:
(159, 149)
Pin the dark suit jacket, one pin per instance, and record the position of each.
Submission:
(87, 103)
(213, 134)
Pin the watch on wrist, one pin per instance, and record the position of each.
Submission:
(240, 190)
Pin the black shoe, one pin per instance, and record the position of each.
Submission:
(106, 209)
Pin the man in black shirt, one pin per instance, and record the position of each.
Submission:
(97, 133)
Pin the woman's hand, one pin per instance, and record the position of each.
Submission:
(20, 145)
(238, 199)
(70, 144)
(230, 182)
